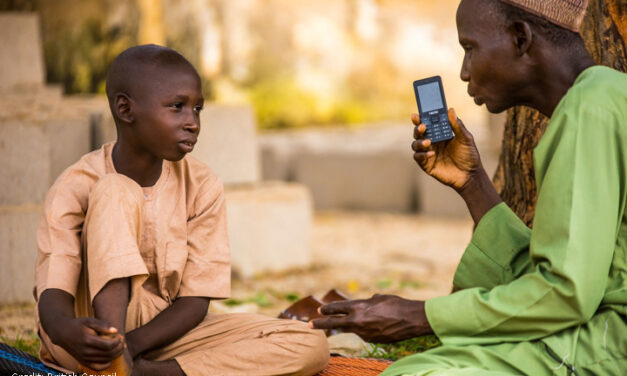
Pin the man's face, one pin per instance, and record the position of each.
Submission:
(489, 64)
(166, 112)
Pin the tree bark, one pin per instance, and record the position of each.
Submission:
(604, 31)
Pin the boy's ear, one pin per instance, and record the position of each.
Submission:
(123, 107)
(523, 37)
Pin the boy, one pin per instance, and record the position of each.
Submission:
(133, 245)
(542, 301)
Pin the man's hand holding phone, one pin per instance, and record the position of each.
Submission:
(457, 164)
(452, 162)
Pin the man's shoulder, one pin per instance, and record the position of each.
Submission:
(600, 86)
(598, 93)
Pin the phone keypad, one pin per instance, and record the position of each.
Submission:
(438, 128)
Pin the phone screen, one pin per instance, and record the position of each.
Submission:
(430, 98)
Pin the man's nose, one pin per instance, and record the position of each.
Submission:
(464, 74)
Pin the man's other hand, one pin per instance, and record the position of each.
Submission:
(382, 318)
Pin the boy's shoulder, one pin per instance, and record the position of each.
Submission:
(76, 181)
(197, 173)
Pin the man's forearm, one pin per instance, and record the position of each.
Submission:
(480, 195)
(169, 325)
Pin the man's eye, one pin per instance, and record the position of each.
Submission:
(197, 108)
(177, 105)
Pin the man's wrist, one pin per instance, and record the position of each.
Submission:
(421, 325)
(479, 194)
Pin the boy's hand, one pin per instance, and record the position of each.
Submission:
(453, 162)
(91, 341)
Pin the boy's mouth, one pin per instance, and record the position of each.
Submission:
(187, 146)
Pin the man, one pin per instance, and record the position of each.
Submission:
(551, 300)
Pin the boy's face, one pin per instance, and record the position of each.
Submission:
(166, 112)
(489, 64)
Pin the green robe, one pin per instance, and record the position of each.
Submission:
(553, 299)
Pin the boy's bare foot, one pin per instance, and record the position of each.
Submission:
(143, 367)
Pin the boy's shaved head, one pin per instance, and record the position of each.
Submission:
(137, 66)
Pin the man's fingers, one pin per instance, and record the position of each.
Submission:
(421, 145)
(419, 131)
(421, 156)
(337, 308)
(330, 322)
(415, 118)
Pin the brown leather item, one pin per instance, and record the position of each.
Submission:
(333, 296)
(307, 308)
(304, 310)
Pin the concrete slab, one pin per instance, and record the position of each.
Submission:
(21, 55)
(354, 180)
(96, 107)
(25, 167)
(69, 138)
(228, 143)
(269, 227)
(18, 252)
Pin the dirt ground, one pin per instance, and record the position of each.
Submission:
(358, 253)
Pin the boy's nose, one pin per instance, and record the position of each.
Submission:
(192, 124)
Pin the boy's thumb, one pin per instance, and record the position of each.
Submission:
(101, 327)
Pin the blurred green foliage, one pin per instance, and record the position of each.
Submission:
(79, 57)
(398, 350)
(29, 345)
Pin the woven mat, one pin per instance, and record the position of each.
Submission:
(340, 366)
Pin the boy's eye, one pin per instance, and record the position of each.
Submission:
(177, 105)
(197, 108)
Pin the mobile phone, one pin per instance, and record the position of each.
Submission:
(432, 109)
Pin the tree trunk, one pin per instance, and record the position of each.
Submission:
(604, 31)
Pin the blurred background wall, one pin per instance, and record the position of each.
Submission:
(298, 63)
(308, 109)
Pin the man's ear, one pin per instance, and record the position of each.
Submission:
(123, 107)
(523, 37)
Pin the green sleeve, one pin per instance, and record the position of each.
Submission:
(580, 173)
(499, 249)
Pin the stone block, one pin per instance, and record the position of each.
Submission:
(276, 157)
(228, 143)
(18, 252)
(33, 103)
(21, 55)
(25, 167)
(69, 138)
(269, 227)
(382, 180)
(96, 107)
(438, 200)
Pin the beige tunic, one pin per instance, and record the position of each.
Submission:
(171, 240)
